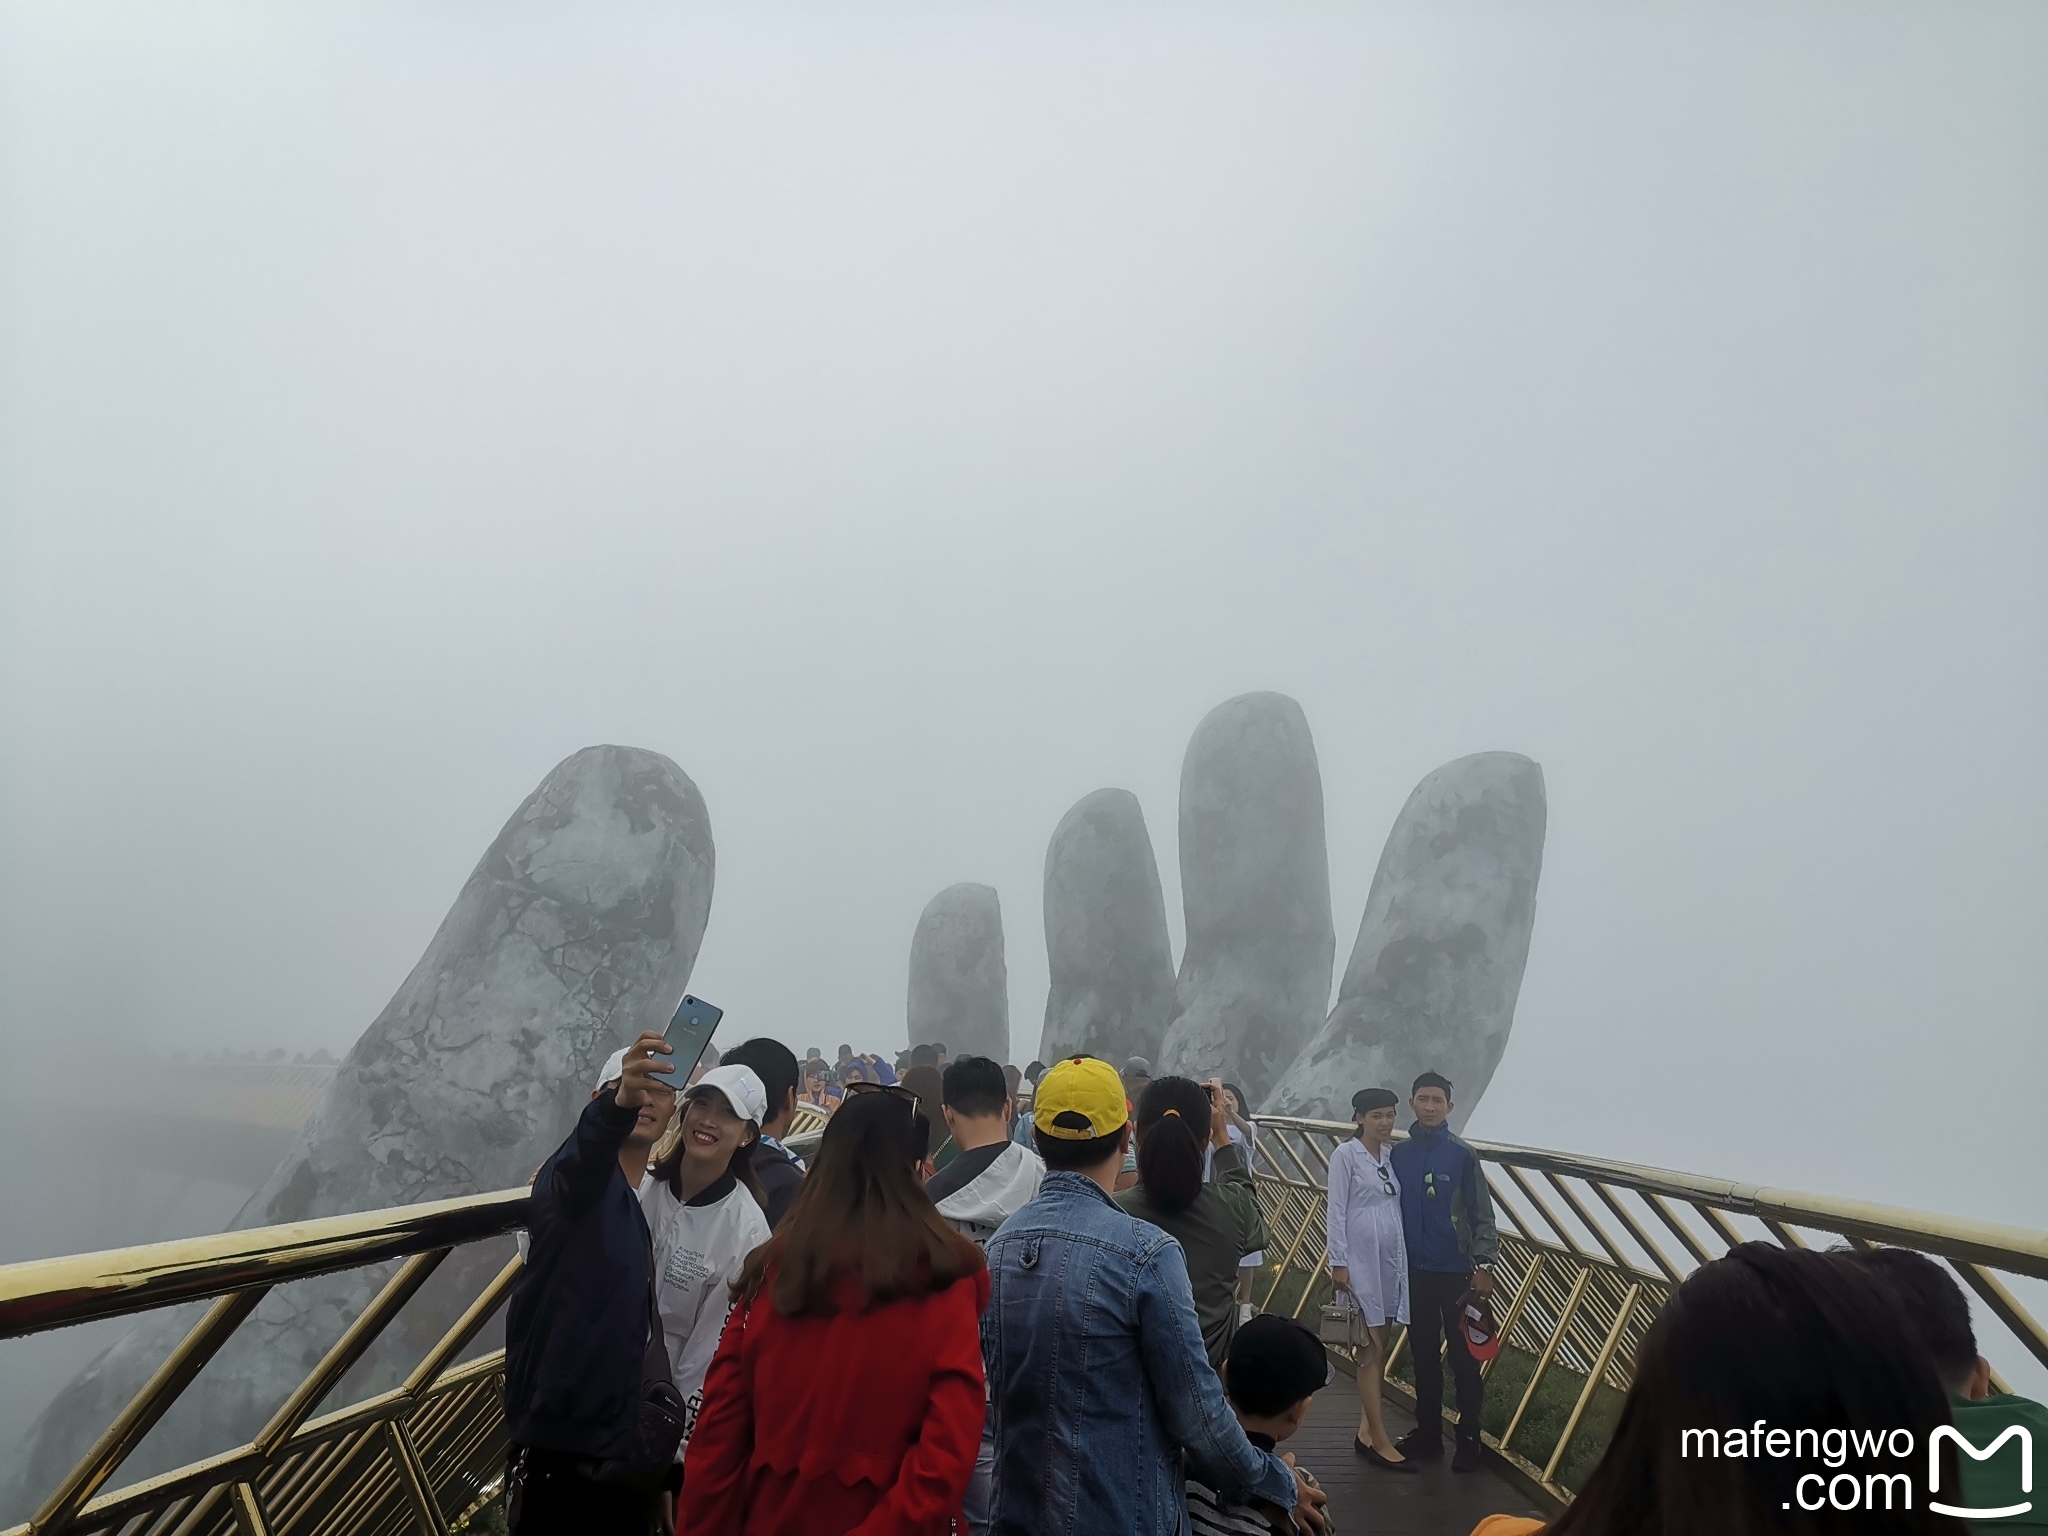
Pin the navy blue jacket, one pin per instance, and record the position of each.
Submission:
(576, 1326)
(1446, 1208)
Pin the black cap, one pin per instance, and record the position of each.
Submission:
(1372, 1098)
(1275, 1362)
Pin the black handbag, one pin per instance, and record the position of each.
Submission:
(663, 1413)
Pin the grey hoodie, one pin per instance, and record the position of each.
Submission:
(994, 1195)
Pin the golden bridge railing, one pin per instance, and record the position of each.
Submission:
(1590, 1250)
(411, 1458)
(1577, 1292)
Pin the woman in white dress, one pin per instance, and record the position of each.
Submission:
(1369, 1259)
(705, 1214)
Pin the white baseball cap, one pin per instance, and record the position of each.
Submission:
(742, 1088)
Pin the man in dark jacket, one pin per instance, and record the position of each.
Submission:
(576, 1326)
(1447, 1221)
(776, 1169)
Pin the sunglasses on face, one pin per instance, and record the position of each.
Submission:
(853, 1090)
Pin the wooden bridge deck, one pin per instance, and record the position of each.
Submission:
(1370, 1502)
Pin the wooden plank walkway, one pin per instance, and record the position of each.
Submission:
(1370, 1502)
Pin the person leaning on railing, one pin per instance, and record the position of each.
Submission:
(577, 1323)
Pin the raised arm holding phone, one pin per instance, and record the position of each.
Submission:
(584, 1366)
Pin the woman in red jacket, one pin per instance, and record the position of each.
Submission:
(846, 1395)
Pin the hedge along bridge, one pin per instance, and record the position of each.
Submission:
(427, 1455)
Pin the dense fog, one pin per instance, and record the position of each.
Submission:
(909, 419)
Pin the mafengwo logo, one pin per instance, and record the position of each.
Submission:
(2018, 1432)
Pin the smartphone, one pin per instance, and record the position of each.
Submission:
(689, 1031)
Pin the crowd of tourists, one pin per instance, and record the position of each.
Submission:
(1013, 1302)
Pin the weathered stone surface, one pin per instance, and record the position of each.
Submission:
(959, 983)
(1434, 975)
(1255, 885)
(1105, 934)
(577, 930)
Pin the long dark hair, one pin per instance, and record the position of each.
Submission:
(861, 1208)
(1173, 1133)
(665, 1162)
(1799, 1340)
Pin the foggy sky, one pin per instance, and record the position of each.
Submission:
(911, 418)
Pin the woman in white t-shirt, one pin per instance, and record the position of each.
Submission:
(705, 1214)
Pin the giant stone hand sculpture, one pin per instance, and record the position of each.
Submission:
(1255, 885)
(1438, 964)
(959, 984)
(1105, 934)
(577, 930)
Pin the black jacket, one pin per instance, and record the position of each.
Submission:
(576, 1326)
(779, 1177)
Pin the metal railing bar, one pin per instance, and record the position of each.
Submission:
(1315, 1146)
(376, 1482)
(350, 1450)
(1521, 1223)
(1679, 1230)
(1514, 1312)
(2007, 1308)
(135, 1421)
(1543, 1360)
(426, 1513)
(479, 1432)
(1260, 1148)
(285, 1498)
(216, 1472)
(1723, 1227)
(1578, 1209)
(1787, 1238)
(356, 1338)
(1287, 1261)
(463, 1442)
(202, 1511)
(248, 1510)
(1635, 1229)
(55, 1293)
(2002, 1247)
(1542, 1209)
(1308, 1178)
(1593, 1380)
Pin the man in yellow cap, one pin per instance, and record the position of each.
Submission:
(1098, 1378)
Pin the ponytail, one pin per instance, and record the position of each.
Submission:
(1173, 1138)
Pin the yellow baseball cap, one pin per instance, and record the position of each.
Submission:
(1084, 1086)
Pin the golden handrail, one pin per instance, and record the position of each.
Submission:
(79, 1288)
(1584, 1294)
(419, 1457)
(382, 1464)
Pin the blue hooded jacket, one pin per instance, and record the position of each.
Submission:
(1446, 1208)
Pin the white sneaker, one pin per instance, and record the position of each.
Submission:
(1244, 1313)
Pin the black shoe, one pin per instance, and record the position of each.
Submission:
(1469, 1457)
(1380, 1461)
(1417, 1446)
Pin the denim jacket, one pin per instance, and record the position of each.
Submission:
(1097, 1377)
